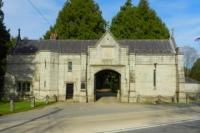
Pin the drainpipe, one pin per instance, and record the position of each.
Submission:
(177, 78)
(86, 78)
(58, 75)
(129, 80)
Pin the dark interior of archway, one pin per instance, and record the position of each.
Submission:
(107, 83)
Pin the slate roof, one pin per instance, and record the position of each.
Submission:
(148, 46)
(80, 46)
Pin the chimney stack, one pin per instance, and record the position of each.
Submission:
(19, 34)
(18, 37)
(53, 36)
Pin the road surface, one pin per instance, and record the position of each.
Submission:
(181, 127)
(97, 118)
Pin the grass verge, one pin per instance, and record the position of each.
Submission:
(19, 106)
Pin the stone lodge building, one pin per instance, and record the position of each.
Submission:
(80, 69)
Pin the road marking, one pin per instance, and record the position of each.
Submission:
(151, 126)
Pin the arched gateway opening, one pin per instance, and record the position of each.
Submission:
(107, 84)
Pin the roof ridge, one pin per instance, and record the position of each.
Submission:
(97, 40)
(56, 40)
(144, 40)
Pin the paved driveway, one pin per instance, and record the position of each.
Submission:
(97, 117)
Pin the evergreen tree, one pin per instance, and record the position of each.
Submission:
(128, 3)
(150, 24)
(195, 71)
(79, 19)
(124, 24)
(138, 23)
(4, 41)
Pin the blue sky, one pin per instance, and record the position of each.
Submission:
(181, 15)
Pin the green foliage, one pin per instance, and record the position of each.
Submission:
(187, 72)
(123, 25)
(195, 71)
(49, 32)
(108, 80)
(139, 22)
(114, 82)
(4, 35)
(128, 3)
(4, 46)
(79, 19)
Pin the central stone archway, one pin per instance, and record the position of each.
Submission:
(107, 83)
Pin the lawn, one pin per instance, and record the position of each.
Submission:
(19, 106)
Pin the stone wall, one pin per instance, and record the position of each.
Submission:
(66, 76)
(191, 88)
(49, 74)
(46, 78)
(165, 75)
(180, 94)
(19, 68)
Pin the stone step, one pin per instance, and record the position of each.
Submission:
(108, 100)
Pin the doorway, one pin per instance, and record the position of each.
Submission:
(69, 90)
(107, 84)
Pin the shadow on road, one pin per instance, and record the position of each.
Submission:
(31, 120)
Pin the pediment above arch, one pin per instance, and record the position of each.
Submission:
(107, 40)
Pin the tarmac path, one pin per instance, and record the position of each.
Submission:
(97, 118)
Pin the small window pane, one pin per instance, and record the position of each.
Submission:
(45, 64)
(28, 87)
(154, 78)
(24, 87)
(83, 85)
(69, 66)
(18, 86)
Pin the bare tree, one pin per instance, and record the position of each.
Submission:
(190, 55)
(197, 39)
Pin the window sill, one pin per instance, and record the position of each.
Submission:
(83, 90)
